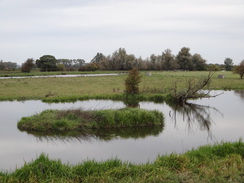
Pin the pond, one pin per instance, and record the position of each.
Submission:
(61, 76)
(205, 121)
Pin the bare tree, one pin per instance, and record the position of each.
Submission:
(193, 90)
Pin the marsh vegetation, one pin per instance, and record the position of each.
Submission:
(76, 119)
(219, 163)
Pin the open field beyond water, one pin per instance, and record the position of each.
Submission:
(158, 82)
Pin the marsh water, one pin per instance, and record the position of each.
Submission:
(205, 121)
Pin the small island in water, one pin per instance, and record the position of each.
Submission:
(76, 119)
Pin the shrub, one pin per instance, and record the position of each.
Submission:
(28, 65)
(132, 82)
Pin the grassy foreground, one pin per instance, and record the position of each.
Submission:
(219, 163)
(70, 120)
(106, 87)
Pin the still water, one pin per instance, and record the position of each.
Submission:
(205, 121)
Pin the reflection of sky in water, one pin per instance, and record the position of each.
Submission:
(18, 147)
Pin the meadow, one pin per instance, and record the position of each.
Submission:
(160, 82)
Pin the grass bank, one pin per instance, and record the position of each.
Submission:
(106, 87)
(70, 120)
(219, 163)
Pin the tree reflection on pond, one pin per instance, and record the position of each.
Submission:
(240, 94)
(132, 102)
(194, 114)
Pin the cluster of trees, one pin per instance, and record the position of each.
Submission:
(7, 65)
(50, 63)
(70, 64)
(120, 60)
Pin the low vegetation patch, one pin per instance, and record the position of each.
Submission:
(219, 163)
(65, 120)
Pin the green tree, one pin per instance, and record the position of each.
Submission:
(120, 60)
(98, 58)
(28, 65)
(240, 69)
(199, 64)
(228, 64)
(169, 62)
(184, 59)
(213, 67)
(132, 82)
(47, 63)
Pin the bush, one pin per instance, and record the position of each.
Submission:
(28, 65)
(132, 82)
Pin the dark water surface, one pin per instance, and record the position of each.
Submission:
(202, 122)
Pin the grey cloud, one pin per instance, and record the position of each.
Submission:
(141, 26)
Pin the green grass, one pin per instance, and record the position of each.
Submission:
(106, 87)
(218, 163)
(70, 120)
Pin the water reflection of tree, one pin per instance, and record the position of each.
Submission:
(132, 102)
(98, 134)
(240, 93)
(194, 114)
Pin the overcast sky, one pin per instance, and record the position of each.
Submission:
(80, 28)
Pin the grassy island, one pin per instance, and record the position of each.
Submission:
(76, 119)
(219, 163)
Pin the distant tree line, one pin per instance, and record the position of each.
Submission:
(121, 60)
(50, 63)
(7, 65)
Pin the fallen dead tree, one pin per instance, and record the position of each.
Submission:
(195, 88)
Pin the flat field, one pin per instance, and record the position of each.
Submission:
(157, 82)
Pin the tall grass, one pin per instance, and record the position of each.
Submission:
(69, 120)
(218, 163)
